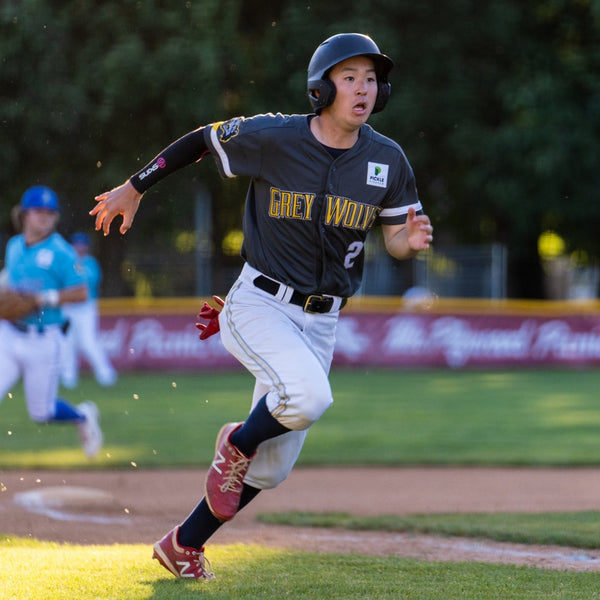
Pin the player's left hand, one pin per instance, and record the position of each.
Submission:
(419, 230)
(212, 315)
(123, 200)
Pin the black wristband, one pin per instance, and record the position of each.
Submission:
(186, 150)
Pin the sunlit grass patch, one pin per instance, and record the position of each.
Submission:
(48, 571)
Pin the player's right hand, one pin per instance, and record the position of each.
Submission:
(123, 200)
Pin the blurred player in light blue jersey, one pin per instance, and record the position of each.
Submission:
(83, 335)
(39, 261)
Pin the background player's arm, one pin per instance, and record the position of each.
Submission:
(76, 293)
(404, 241)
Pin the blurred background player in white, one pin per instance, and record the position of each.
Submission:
(39, 261)
(83, 335)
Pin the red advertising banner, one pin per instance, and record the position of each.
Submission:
(455, 339)
(468, 341)
(163, 341)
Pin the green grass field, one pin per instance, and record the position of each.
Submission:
(257, 573)
(426, 417)
(577, 529)
(378, 417)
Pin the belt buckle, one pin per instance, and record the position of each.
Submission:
(315, 304)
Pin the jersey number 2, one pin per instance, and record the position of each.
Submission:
(354, 249)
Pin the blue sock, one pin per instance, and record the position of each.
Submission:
(63, 411)
(260, 425)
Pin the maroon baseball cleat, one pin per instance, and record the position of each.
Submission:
(224, 480)
(181, 561)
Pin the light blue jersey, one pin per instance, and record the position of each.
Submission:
(92, 274)
(51, 264)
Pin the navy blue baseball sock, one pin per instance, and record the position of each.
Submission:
(260, 425)
(63, 411)
(201, 523)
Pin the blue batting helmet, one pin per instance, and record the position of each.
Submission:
(80, 238)
(39, 196)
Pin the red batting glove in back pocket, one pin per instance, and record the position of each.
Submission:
(210, 314)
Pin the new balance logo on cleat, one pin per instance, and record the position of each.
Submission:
(218, 460)
(225, 478)
(184, 566)
(170, 555)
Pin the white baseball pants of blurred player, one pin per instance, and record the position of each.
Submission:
(35, 357)
(83, 339)
(289, 352)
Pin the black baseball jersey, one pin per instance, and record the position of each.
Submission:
(307, 214)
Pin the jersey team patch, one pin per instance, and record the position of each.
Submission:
(229, 129)
(44, 258)
(377, 174)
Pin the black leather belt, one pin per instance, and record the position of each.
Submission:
(24, 328)
(310, 303)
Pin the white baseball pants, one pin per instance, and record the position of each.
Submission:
(35, 357)
(289, 352)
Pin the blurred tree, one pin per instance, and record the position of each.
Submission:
(504, 105)
(496, 104)
(90, 91)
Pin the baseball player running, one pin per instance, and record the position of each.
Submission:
(41, 267)
(318, 185)
(82, 337)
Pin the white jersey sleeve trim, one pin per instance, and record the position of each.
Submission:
(214, 138)
(399, 210)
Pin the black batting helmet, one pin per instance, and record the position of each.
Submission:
(333, 51)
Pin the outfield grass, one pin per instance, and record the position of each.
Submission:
(379, 417)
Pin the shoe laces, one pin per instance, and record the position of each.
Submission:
(237, 467)
(203, 562)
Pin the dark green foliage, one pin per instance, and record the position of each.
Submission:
(496, 104)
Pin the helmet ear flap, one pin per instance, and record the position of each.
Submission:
(326, 95)
(384, 91)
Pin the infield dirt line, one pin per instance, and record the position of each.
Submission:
(156, 500)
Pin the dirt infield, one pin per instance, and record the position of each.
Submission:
(140, 506)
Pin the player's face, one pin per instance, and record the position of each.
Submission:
(356, 90)
(39, 223)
